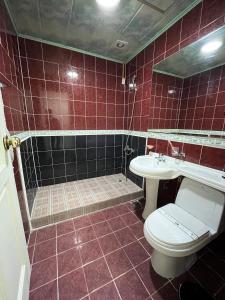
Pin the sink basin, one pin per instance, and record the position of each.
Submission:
(150, 167)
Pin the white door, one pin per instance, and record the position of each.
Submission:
(14, 260)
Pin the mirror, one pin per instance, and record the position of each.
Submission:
(188, 90)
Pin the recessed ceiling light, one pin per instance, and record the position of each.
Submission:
(211, 46)
(108, 3)
(72, 74)
(171, 92)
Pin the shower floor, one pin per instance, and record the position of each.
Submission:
(63, 201)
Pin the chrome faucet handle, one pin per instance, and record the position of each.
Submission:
(182, 155)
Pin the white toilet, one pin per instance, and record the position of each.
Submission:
(177, 231)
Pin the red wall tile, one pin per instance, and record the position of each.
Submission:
(92, 92)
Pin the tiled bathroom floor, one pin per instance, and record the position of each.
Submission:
(63, 201)
(104, 256)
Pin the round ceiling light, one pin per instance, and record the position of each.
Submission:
(211, 46)
(108, 3)
(72, 74)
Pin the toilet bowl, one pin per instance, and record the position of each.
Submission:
(178, 230)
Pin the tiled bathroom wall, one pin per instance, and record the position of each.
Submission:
(10, 75)
(92, 99)
(66, 158)
(203, 101)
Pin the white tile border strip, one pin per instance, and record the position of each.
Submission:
(196, 140)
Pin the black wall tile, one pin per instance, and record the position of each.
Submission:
(91, 141)
(69, 142)
(56, 142)
(81, 154)
(58, 157)
(91, 153)
(110, 140)
(45, 158)
(71, 169)
(101, 140)
(70, 156)
(81, 141)
(59, 170)
(43, 143)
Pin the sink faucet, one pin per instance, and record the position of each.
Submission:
(182, 155)
(160, 157)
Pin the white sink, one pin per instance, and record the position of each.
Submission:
(151, 168)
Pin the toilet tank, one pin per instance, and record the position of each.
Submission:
(202, 202)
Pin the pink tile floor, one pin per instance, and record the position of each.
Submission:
(104, 256)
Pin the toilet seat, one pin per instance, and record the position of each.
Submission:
(174, 231)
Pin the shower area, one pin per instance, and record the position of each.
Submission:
(68, 176)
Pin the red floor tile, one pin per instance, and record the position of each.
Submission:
(167, 292)
(85, 234)
(48, 291)
(46, 234)
(137, 230)
(125, 236)
(149, 277)
(136, 253)
(122, 209)
(90, 251)
(130, 287)
(65, 227)
(146, 245)
(72, 286)
(107, 292)
(116, 223)
(130, 219)
(43, 272)
(69, 261)
(102, 228)
(108, 243)
(81, 222)
(118, 262)
(44, 250)
(97, 217)
(66, 242)
(110, 213)
(97, 274)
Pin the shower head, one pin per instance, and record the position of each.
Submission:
(132, 84)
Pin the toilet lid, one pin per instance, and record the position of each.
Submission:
(173, 225)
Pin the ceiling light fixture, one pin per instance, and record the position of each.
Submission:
(171, 92)
(72, 74)
(211, 46)
(108, 3)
